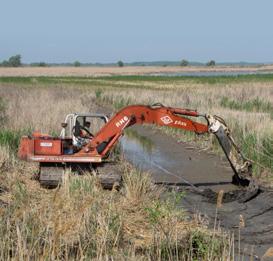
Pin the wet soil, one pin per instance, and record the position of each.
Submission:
(251, 222)
(179, 165)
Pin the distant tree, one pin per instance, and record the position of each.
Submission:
(42, 64)
(120, 63)
(5, 63)
(77, 64)
(15, 61)
(211, 63)
(184, 63)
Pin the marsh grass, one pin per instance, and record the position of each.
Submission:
(11, 138)
(116, 102)
(260, 152)
(3, 116)
(138, 81)
(254, 105)
(81, 221)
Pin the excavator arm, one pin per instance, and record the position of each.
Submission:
(160, 115)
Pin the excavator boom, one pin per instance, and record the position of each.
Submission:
(141, 114)
(175, 118)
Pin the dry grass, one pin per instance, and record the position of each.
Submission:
(127, 70)
(80, 220)
(207, 99)
(42, 108)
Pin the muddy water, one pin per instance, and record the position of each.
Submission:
(212, 73)
(172, 162)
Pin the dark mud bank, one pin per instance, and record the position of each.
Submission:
(251, 222)
(179, 165)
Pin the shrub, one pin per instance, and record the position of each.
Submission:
(15, 61)
(77, 64)
(5, 63)
(98, 93)
(184, 63)
(42, 64)
(211, 63)
(120, 63)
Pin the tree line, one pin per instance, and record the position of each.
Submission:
(15, 61)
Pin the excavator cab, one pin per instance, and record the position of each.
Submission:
(79, 128)
(75, 122)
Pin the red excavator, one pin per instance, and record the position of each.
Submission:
(77, 147)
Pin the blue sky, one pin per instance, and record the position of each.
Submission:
(140, 30)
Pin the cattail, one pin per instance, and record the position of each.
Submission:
(220, 198)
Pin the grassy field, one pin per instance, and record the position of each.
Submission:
(80, 220)
(245, 102)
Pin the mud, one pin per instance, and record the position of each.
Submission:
(255, 236)
(241, 195)
(179, 165)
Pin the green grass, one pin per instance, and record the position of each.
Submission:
(11, 138)
(259, 150)
(263, 154)
(3, 116)
(196, 79)
(117, 103)
(139, 79)
(254, 105)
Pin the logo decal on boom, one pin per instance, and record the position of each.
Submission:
(166, 120)
(122, 121)
(181, 123)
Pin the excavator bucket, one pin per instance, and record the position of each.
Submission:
(241, 166)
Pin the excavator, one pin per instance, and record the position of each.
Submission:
(77, 147)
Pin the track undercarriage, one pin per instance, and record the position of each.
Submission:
(52, 175)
